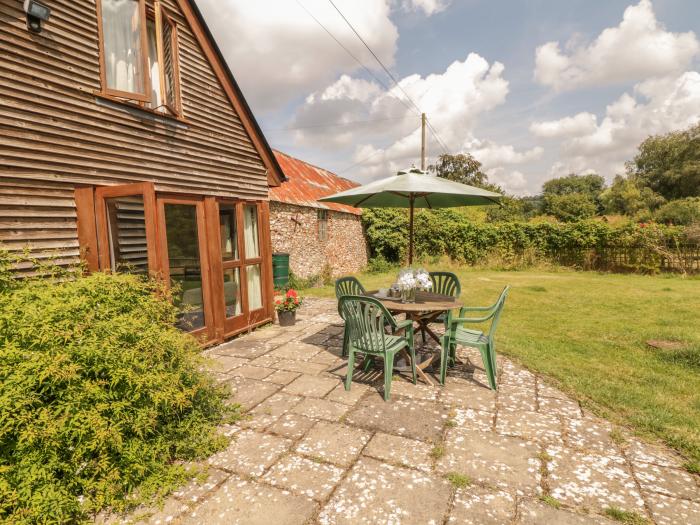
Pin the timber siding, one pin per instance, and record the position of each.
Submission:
(56, 134)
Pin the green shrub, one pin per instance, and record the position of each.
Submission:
(681, 212)
(583, 244)
(101, 399)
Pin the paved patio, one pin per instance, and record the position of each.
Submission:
(310, 452)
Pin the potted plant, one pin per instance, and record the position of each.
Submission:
(286, 307)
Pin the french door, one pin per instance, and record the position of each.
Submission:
(214, 253)
(184, 252)
(242, 287)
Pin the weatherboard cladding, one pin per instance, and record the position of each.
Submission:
(307, 183)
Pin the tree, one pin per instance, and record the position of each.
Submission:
(570, 207)
(590, 184)
(627, 197)
(463, 168)
(669, 164)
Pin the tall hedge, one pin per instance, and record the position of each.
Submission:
(446, 232)
(101, 399)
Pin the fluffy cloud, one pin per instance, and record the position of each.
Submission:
(579, 124)
(514, 182)
(655, 106)
(429, 7)
(639, 48)
(279, 53)
(384, 130)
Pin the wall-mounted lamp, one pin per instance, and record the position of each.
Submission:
(37, 14)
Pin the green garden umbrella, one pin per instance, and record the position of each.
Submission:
(414, 189)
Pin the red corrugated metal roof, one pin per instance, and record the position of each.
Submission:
(306, 183)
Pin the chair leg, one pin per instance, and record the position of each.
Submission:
(489, 367)
(413, 364)
(351, 367)
(344, 351)
(367, 363)
(444, 356)
(388, 375)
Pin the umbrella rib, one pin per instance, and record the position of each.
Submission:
(428, 202)
(357, 204)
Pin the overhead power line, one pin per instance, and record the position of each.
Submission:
(391, 76)
(386, 70)
(340, 124)
(368, 70)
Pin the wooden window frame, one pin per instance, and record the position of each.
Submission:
(319, 220)
(160, 16)
(106, 91)
(147, 191)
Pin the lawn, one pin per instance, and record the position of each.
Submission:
(588, 331)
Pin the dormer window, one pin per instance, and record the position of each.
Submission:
(138, 54)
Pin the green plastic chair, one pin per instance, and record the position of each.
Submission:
(444, 283)
(456, 334)
(347, 286)
(365, 318)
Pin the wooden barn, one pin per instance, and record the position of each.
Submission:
(125, 140)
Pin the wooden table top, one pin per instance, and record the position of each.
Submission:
(425, 302)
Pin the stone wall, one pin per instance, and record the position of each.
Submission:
(294, 230)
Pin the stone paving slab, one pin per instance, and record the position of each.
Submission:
(506, 462)
(534, 512)
(311, 386)
(248, 503)
(406, 417)
(533, 426)
(374, 492)
(304, 476)
(335, 443)
(250, 392)
(481, 506)
(400, 451)
(250, 453)
(593, 480)
(666, 480)
(667, 510)
(291, 426)
(321, 409)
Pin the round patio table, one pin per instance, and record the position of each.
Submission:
(427, 308)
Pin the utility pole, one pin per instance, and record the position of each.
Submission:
(422, 143)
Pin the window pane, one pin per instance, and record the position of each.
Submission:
(185, 268)
(322, 225)
(126, 230)
(153, 66)
(250, 224)
(169, 64)
(254, 287)
(121, 29)
(232, 291)
(229, 232)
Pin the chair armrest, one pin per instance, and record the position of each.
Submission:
(464, 309)
(459, 320)
(407, 323)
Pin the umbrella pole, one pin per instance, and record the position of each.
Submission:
(410, 234)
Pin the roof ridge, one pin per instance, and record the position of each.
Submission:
(275, 150)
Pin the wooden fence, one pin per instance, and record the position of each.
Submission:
(674, 259)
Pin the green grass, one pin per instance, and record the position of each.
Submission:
(623, 516)
(459, 481)
(588, 331)
(551, 501)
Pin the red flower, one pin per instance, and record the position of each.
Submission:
(278, 301)
(291, 293)
(296, 300)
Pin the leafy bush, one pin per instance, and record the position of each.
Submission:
(570, 207)
(681, 212)
(587, 244)
(101, 399)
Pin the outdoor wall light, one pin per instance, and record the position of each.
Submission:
(37, 14)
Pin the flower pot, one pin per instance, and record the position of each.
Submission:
(287, 318)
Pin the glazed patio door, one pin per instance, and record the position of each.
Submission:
(241, 256)
(184, 249)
